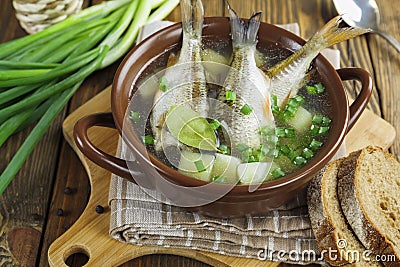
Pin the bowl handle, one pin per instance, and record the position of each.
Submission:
(115, 165)
(361, 101)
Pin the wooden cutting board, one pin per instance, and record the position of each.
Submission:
(89, 234)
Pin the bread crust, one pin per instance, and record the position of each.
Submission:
(322, 225)
(366, 232)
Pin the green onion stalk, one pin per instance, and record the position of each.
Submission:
(39, 73)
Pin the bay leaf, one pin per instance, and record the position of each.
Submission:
(190, 128)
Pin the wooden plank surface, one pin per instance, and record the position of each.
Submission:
(28, 208)
(91, 229)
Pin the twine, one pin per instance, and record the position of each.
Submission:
(36, 15)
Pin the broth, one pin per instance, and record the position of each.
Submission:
(284, 162)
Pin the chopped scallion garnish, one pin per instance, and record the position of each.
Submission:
(199, 165)
(163, 85)
(246, 109)
(317, 118)
(219, 179)
(323, 130)
(320, 88)
(289, 132)
(148, 140)
(299, 160)
(241, 147)
(315, 144)
(277, 173)
(307, 153)
(135, 116)
(215, 124)
(326, 121)
(230, 96)
(224, 149)
(314, 129)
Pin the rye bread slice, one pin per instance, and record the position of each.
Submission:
(369, 194)
(329, 225)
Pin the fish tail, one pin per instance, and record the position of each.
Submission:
(332, 34)
(192, 18)
(243, 34)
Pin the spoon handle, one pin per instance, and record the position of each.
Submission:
(390, 39)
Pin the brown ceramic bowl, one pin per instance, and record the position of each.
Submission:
(239, 201)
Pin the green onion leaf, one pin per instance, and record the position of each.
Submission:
(230, 96)
(299, 160)
(285, 149)
(242, 147)
(224, 149)
(314, 129)
(315, 144)
(135, 116)
(317, 118)
(199, 165)
(219, 179)
(148, 140)
(311, 90)
(323, 130)
(319, 88)
(326, 121)
(307, 153)
(292, 155)
(246, 109)
(289, 132)
(163, 85)
(215, 124)
(277, 173)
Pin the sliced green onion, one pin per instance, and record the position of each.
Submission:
(326, 121)
(224, 149)
(163, 85)
(274, 99)
(315, 144)
(277, 173)
(292, 155)
(280, 131)
(135, 116)
(148, 140)
(230, 96)
(314, 129)
(299, 160)
(219, 179)
(266, 130)
(246, 109)
(323, 130)
(199, 165)
(289, 132)
(215, 124)
(307, 153)
(285, 149)
(299, 99)
(320, 88)
(242, 147)
(317, 118)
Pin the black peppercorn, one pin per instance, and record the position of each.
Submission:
(99, 209)
(60, 212)
(68, 191)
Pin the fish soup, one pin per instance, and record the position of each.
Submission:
(301, 126)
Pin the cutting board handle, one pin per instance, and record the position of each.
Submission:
(359, 104)
(115, 165)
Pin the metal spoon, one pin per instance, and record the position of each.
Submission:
(363, 14)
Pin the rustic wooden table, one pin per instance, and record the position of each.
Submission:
(51, 190)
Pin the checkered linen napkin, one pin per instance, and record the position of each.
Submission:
(140, 219)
